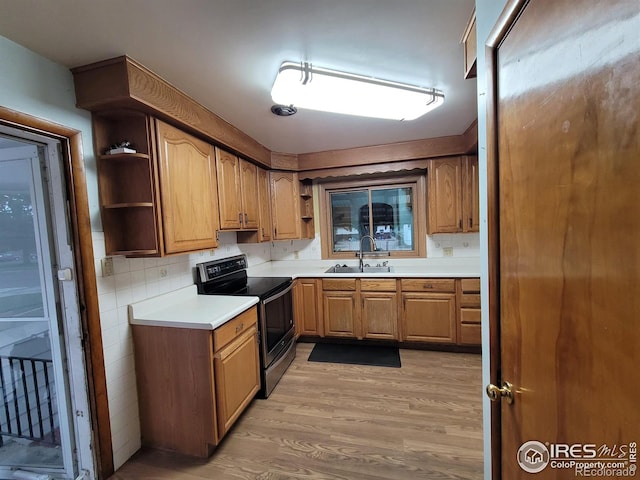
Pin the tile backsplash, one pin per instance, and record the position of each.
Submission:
(457, 244)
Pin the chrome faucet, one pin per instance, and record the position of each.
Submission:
(373, 246)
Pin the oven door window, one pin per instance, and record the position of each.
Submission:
(277, 319)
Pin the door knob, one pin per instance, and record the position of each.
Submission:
(495, 393)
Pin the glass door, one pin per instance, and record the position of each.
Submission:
(35, 428)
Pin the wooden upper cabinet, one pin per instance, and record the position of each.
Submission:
(263, 231)
(285, 205)
(471, 195)
(470, 50)
(445, 201)
(453, 195)
(249, 187)
(264, 205)
(128, 184)
(229, 199)
(188, 190)
(237, 192)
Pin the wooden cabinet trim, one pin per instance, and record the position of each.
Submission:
(121, 82)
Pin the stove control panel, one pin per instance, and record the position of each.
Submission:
(218, 268)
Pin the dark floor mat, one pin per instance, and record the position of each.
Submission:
(356, 354)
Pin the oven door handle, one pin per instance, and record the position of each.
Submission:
(278, 295)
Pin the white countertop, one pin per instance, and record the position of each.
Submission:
(445, 267)
(184, 308)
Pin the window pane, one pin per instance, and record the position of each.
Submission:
(346, 219)
(392, 218)
(20, 290)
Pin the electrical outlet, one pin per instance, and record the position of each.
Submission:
(447, 251)
(296, 255)
(107, 266)
(163, 273)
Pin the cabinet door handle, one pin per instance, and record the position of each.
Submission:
(240, 218)
(470, 222)
(239, 328)
(275, 231)
(460, 224)
(428, 285)
(246, 218)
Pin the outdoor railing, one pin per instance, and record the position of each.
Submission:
(27, 400)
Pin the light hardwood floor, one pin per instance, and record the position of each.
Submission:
(328, 421)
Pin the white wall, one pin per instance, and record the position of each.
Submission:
(33, 85)
(487, 12)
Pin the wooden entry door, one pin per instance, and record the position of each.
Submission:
(564, 202)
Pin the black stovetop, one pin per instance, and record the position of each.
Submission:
(227, 277)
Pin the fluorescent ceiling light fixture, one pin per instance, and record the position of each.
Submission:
(306, 86)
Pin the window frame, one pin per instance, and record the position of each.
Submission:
(418, 185)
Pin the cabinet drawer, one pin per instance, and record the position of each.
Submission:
(233, 328)
(470, 316)
(428, 285)
(470, 300)
(377, 285)
(339, 284)
(470, 334)
(470, 285)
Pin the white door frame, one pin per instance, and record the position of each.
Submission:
(78, 455)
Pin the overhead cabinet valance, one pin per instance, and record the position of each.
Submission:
(123, 83)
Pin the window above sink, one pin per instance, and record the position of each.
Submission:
(391, 210)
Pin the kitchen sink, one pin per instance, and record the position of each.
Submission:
(343, 269)
(387, 269)
(354, 269)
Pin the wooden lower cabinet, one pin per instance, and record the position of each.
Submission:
(379, 304)
(193, 384)
(341, 315)
(416, 310)
(469, 332)
(307, 296)
(360, 308)
(237, 378)
(429, 317)
(379, 315)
